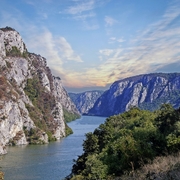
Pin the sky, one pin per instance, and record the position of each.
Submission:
(90, 44)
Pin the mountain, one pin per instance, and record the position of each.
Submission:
(85, 101)
(32, 100)
(146, 91)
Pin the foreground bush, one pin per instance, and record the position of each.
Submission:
(128, 141)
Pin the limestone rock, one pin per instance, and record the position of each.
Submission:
(31, 99)
(146, 91)
(85, 101)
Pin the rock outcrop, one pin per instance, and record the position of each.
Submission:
(147, 91)
(85, 101)
(32, 101)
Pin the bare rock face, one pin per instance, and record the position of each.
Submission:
(12, 39)
(62, 96)
(147, 91)
(85, 101)
(31, 99)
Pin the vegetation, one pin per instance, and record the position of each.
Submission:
(162, 168)
(68, 116)
(68, 130)
(15, 52)
(7, 28)
(43, 104)
(126, 142)
(41, 112)
(173, 97)
(1, 175)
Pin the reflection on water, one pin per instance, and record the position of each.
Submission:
(48, 162)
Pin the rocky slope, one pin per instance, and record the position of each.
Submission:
(85, 101)
(145, 91)
(32, 101)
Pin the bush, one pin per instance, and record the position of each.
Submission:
(68, 116)
(14, 52)
(126, 142)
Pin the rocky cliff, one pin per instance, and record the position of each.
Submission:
(32, 101)
(145, 91)
(85, 101)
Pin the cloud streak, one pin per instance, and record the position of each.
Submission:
(155, 49)
(82, 6)
(67, 51)
(110, 21)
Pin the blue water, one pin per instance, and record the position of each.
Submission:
(48, 162)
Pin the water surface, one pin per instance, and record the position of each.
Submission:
(48, 162)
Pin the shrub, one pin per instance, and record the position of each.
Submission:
(68, 116)
(127, 141)
(14, 52)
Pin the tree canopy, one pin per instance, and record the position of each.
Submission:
(127, 141)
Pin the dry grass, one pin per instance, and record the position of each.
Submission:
(1, 175)
(162, 168)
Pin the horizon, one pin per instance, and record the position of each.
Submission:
(91, 44)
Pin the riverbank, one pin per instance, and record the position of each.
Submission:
(56, 158)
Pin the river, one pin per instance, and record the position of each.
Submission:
(48, 162)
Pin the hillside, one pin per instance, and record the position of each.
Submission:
(32, 100)
(85, 101)
(147, 91)
(137, 144)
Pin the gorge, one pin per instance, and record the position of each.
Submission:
(35, 107)
(32, 100)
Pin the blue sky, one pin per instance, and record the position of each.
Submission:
(92, 43)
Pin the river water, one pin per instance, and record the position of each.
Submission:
(48, 162)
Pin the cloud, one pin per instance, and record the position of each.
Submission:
(109, 21)
(67, 51)
(114, 39)
(46, 47)
(106, 52)
(83, 17)
(154, 49)
(82, 6)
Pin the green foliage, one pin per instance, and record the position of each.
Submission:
(68, 116)
(68, 130)
(125, 142)
(14, 52)
(50, 136)
(43, 104)
(173, 97)
(33, 136)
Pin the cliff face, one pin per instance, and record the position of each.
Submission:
(31, 99)
(85, 101)
(144, 91)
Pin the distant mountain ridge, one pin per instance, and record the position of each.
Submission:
(146, 91)
(85, 101)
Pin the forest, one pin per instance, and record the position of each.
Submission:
(127, 142)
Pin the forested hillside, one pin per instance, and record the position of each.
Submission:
(127, 142)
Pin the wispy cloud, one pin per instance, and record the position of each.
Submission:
(80, 7)
(109, 21)
(114, 39)
(154, 49)
(84, 11)
(83, 17)
(67, 51)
